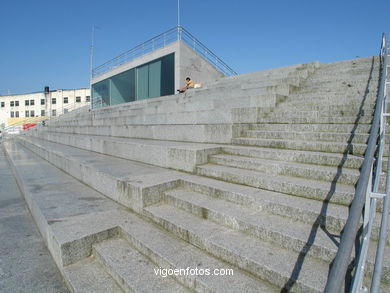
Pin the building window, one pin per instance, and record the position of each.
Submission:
(42, 101)
(26, 102)
(42, 113)
(65, 100)
(12, 114)
(17, 114)
(32, 103)
(54, 101)
(53, 113)
(2, 104)
(16, 103)
(78, 99)
(27, 114)
(12, 103)
(32, 113)
(66, 111)
(87, 98)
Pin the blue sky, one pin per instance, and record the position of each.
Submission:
(47, 42)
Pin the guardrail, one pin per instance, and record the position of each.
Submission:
(160, 41)
(366, 196)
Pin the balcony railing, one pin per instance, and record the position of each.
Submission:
(160, 41)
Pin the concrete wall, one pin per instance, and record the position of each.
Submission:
(194, 66)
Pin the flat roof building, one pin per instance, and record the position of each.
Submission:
(35, 107)
(155, 68)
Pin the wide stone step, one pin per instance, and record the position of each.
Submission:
(330, 216)
(133, 270)
(260, 258)
(313, 189)
(257, 115)
(318, 146)
(275, 167)
(337, 106)
(320, 113)
(74, 218)
(89, 276)
(285, 233)
(169, 252)
(311, 240)
(308, 102)
(169, 154)
(314, 119)
(308, 136)
(343, 128)
(306, 157)
(205, 133)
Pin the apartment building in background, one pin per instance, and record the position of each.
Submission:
(35, 107)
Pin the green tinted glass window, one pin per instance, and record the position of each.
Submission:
(122, 88)
(101, 94)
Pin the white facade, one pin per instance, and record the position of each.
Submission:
(22, 108)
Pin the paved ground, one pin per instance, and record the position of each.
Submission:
(25, 262)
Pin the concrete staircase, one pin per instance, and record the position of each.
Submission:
(252, 173)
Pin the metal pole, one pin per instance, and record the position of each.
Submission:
(91, 53)
(178, 13)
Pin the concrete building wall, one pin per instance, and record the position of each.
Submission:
(187, 63)
(75, 99)
(194, 66)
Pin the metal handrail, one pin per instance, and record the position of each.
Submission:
(365, 197)
(175, 34)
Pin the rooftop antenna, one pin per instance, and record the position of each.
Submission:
(178, 13)
(91, 53)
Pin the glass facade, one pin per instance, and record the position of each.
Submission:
(150, 80)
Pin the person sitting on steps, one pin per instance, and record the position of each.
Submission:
(189, 84)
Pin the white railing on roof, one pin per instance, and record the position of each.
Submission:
(160, 41)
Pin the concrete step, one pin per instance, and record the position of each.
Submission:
(204, 133)
(343, 128)
(354, 106)
(275, 167)
(307, 136)
(257, 115)
(169, 154)
(169, 252)
(131, 269)
(181, 117)
(318, 102)
(331, 217)
(88, 275)
(260, 258)
(282, 72)
(313, 189)
(311, 240)
(317, 146)
(297, 118)
(333, 97)
(305, 157)
(73, 218)
(250, 83)
(295, 112)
